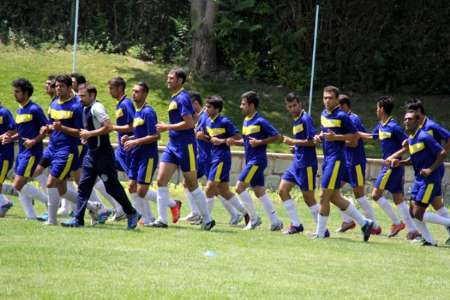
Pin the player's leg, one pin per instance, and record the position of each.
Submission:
(284, 192)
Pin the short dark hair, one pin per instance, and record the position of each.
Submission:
(251, 97)
(415, 104)
(179, 73)
(91, 89)
(51, 78)
(79, 77)
(118, 81)
(195, 96)
(413, 111)
(332, 89)
(144, 86)
(387, 103)
(215, 101)
(24, 85)
(64, 78)
(344, 99)
(291, 97)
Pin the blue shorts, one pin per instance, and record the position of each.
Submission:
(305, 178)
(61, 161)
(182, 155)
(142, 169)
(82, 150)
(204, 166)
(426, 192)
(220, 171)
(5, 166)
(390, 179)
(122, 160)
(26, 163)
(253, 174)
(332, 172)
(355, 175)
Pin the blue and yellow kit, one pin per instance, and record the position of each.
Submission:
(7, 123)
(124, 115)
(204, 148)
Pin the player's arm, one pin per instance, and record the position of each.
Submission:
(404, 162)
(187, 123)
(331, 136)
(75, 132)
(127, 128)
(297, 142)
(441, 154)
(269, 140)
(365, 136)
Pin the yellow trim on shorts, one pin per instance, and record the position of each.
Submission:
(427, 195)
(218, 172)
(251, 173)
(4, 171)
(191, 157)
(334, 175)
(309, 174)
(148, 172)
(29, 166)
(359, 175)
(67, 167)
(385, 179)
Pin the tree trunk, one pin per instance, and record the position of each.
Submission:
(203, 17)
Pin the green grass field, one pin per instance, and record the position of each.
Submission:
(108, 262)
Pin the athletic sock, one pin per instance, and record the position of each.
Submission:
(247, 202)
(143, 207)
(404, 212)
(210, 202)
(200, 201)
(345, 218)
(355, 214)
(162, 199)
(321, 225)
(387, 208)
(433, 218)
(314, 210)
(292, 212)
(228, 206)
(368, 209)
(100, 187)
(8, 189)
(443, 212)
(27, 205)
(3, 200)
(34, 193)
(234, 201)
(194, 208)
(423, 229)
(53, 203)
(42, 180)
(268, 208)
(151, 195)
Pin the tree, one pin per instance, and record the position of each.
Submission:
(203, 17)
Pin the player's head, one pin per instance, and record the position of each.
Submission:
(214, 105)
(117, 87)
(176, 78)
(23, 90)
(293, 104)
(385, 105)
(63, 86)
(330, 97)
(87, 94)
(344, 102)
(140, 92)
(249, 102)
(417, 105)
(411, 121)
(50, 86)
(196, 100)
(77, 79)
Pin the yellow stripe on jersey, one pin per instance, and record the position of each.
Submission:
(215, 131)
(173, 105)
(297, 129)
(329, 123)
(23, 118)
(29, 166)
(4, 171)
(67, 167)
(247, 130)
(60, 114)
(1, 119)
(385, 179)
(149, 171)
(309, 175)
(218, 172)
(359, 175)
(138, 122)
(416, 148)
(191, 157)
(250, 174)
(334, 174)
(382, 135)
(430, 132)
(119, 113)
(427, 195)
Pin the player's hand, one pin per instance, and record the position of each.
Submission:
(230, 141)
(130, 144)
(124, 138)
(6, 139)
(28, 143)
(57, 125)
(426, 172)
(44, 130)
(393, 162)
(216, 141)
(201, 135)
(85, 134)
(317, 139)
(288, 141)
(254, 142)
(330, 135)
(83, 141)
(161, 127)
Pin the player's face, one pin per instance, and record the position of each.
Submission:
(211, 110)
(379, 112)
(49, 88)
(344, 107)
(62, 90)
(114, 91)
(19, 95)
(330, 100)
(294, 108)
(84, 97)
(245, 108)
(74, 84)
(197, 107)
(138, 94)
(411, 122)
(173, 83)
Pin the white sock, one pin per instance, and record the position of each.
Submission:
(268, 208)
(53, 204)
(443, 212)
(72, 196)
(355, 214)
(423, 229)
(27, 205)
(321, 225)
(42, 179)
(34, 193)
(345, 218)
(162, 199)
(151, 195)
(148, 215)
(200, 201)
(3, 200)
(210, 202)
(234, 201)
(143, 209)
(433, 218)
(8, 189)
(387, 208)
(314, 210)
(228, 206)
(292, 212)
(100, 187)
(404, 212)
(368, 209)
(194, 208)
(247, 202)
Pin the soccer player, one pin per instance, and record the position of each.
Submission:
(77, 80)
(355, 170)
(98, 160)
(303, 170)
(180, 151)
(390, 178)
(426, 155)
(336, 130)
(29, 119)
(219, 131)
(257, 134)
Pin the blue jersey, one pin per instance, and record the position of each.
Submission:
(303, 129)
(144, 124)
(256, 127)
(69, 113)
(30, 118)
(6, 123)
(439, 133)
(339, 122)
(391, 136)
(424, 149)
(204, 148)
(220, 127)
(180, 106)
(124, 116)
(356, 155)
